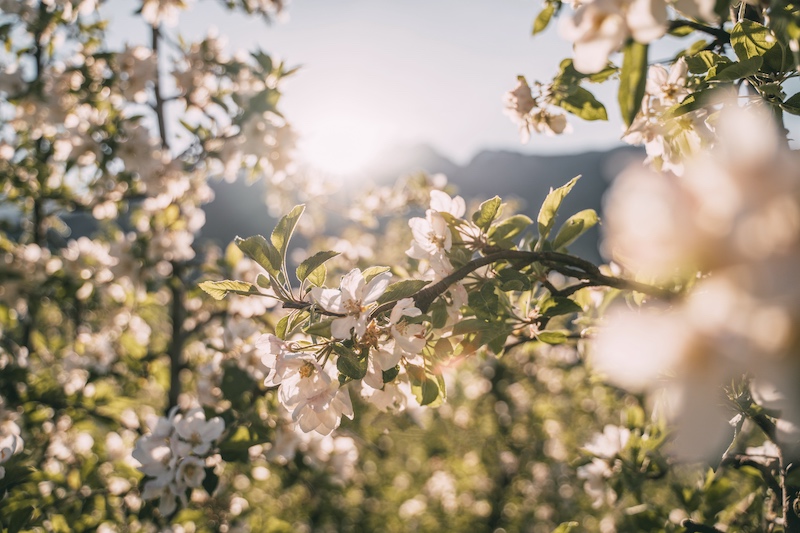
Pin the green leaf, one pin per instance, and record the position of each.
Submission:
(570, 77)
(509, 228)
(219, 289)
(543, 18)
(312, 263)
(574, 227)
(488, 211)
(263, 252)
(470, 325)
(281, 327)
(632, 80)
(285, 228)
(701, 62)
(792, 104)
(583, 104)
(389, 375)
(438, 313)
(263, 281)
(700, 99)
(549, 209)
(737, 71)
(371, 272)
(553, 337)
(211, 481)
(559, 305)
(750, 39)
(19, 519)
(318, 275)
(402, 289)
(350, 366)
(513, 280)
(425, 390)
(321, 328)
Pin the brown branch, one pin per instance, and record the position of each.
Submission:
(575, 266)
(718, 33)
(159, 107)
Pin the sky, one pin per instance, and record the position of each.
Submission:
(378, 73)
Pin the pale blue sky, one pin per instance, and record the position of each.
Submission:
(380, 72)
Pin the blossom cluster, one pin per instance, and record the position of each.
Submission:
(532, 113)
(598, 28)
(668, 139)
(174, 456)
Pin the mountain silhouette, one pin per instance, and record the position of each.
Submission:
(238, 208)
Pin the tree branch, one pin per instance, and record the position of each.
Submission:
(718, 33)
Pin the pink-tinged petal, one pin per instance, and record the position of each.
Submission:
(376, 287)
(404, 307)
(421, 231)
(361, 325)
(678, 72)
(656, 79)
(352, 286)
(344, 404)
(441, 230)
(442, 202)
(411, 345)
(340, 328)
(329, 299)
(387, 359)
(417, 251)
(374, 376)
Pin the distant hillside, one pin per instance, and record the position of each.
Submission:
(238, 209)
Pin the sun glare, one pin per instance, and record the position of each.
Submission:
(342, 144)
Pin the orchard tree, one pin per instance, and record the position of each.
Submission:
(488, 380)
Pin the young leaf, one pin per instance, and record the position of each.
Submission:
(703, 61)
(552, 337)
(583, 104)
(632, 80)
(792, 104)
(557, 306)
(750, 39)
(485, 215)
(285, 228)
(219, 289)
(426, 390)
(509, 228)
(737, 71)
(263, 281)
(281, 327)
(402, 289)
(312, 263)
(351, 366)
(549, 209)
(321, 328)
(260, 250)
(574, 227)
(318, 275)
(543, 18)
(371, 272)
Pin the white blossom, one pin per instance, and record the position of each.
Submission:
(352, 299)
